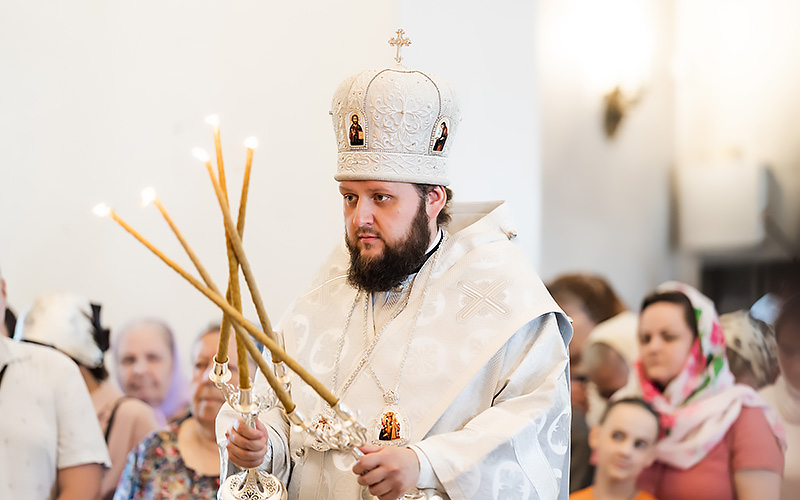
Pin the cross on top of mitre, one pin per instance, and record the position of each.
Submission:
(399, 42)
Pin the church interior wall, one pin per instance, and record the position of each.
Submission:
(100, 100)
(104, 99)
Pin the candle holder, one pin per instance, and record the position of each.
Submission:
(250, 484)
(335, 429)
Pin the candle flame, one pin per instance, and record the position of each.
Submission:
(101, 210)
(213, 120)
(200, 154)
(148, 196)
(251, 142)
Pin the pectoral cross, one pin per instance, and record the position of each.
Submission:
(399, 42)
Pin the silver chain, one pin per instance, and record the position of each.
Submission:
(369, 348)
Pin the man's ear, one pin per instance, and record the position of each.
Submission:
(435, 201)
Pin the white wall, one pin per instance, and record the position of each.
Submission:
(100, 99)
(605, 203)
(737, 88)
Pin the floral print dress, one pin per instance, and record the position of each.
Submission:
(155, 471)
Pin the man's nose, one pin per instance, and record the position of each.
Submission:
(362, 215)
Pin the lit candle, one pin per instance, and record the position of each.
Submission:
(103, 210)
(149, 196)
(236, 242)
(224, 333)
(251, 143)
(233, 263)
(213, 120)
(234, 293)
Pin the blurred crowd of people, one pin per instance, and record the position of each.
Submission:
(148, 434)
(724, 392)
(670, 401)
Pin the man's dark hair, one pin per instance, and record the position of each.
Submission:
(677, 298)
(444, 216)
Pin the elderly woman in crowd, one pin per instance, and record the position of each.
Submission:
(149, 368)
(72, 325)
(784, 396)
(720, 440)
(183, 462)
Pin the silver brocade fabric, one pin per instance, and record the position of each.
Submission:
(485, 384)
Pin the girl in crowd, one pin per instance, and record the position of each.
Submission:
(624, 443)
(183, 462)
(149, 368)
(72, 325)
(785, 394)
(720, 441)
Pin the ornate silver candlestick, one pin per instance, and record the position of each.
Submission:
(250, 484)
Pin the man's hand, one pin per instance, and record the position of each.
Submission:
(389, 472)
(247, 445)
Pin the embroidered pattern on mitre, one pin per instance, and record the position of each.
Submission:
(394, 124)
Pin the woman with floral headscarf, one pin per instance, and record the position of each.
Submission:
(719, 440)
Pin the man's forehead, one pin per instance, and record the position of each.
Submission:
(375, 186)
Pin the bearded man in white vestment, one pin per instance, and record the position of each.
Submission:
(428, 320)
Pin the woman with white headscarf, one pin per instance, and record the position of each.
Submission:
(148, 367)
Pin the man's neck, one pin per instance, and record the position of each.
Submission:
(606, 488)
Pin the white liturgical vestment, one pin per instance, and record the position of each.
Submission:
(474, 348)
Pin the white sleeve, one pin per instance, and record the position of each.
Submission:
(80, 440)
(521, 442)
(427, 478)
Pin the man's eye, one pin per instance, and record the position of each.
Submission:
(348, 198)
(381, 197)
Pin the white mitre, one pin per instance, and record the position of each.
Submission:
(394, 124)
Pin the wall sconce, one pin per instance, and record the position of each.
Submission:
(617, 105)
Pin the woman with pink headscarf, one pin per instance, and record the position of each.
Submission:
(149, 368)
(720, 441)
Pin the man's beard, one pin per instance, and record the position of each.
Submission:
(398, 261)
